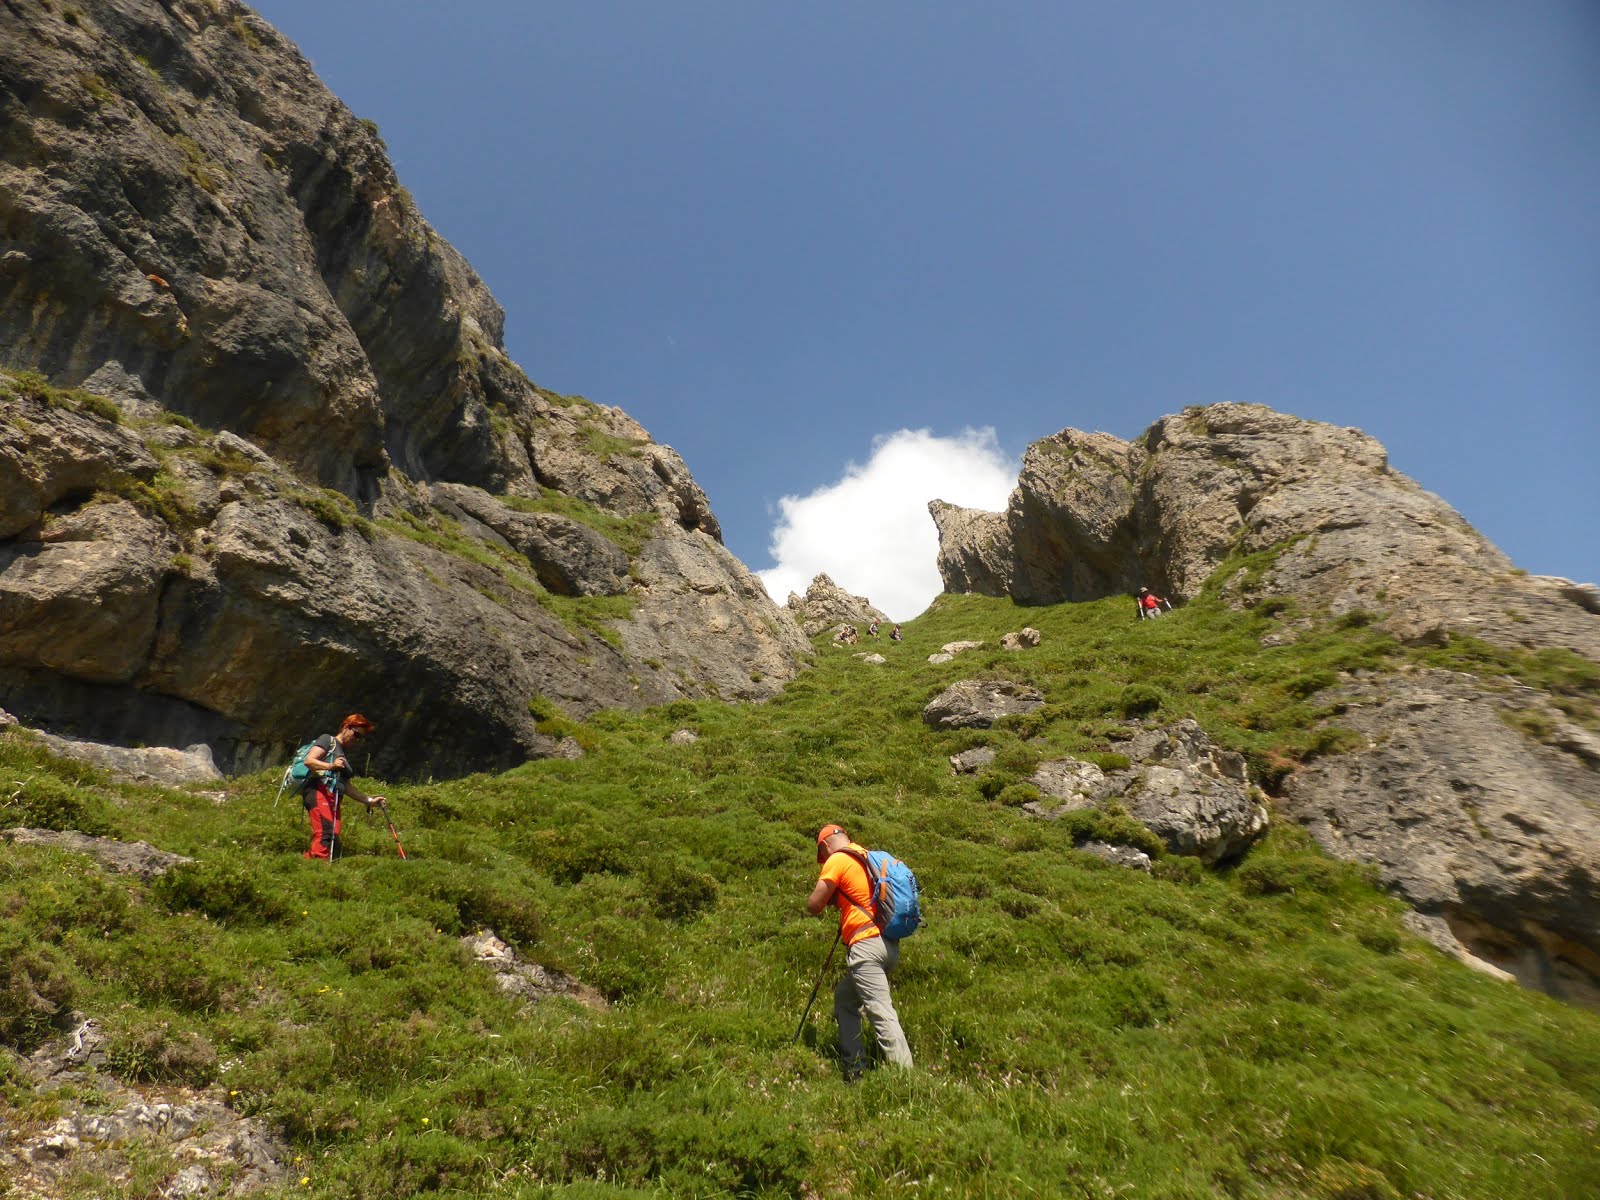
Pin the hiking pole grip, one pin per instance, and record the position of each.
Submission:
(816, 987)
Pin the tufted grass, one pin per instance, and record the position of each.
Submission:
(1266, 1031)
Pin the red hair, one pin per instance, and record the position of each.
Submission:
(357, 722)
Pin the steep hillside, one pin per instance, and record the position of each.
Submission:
(1266, 1029)
(1473, 787)
(263, 458)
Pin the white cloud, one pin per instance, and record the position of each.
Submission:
(871, 531)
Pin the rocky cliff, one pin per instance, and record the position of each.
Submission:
(1476, 795)
(263, 457)
(1093, 515)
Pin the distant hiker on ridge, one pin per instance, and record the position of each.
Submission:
(870, 958)
(329, 782)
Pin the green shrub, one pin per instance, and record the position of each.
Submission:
(1178, 868)
(1015, 795)
(991, 783)
(1310, 682)
(1113, 826)
(1138, 700)
(1272, 875)
(1132, 999)
(678, 893)
(1024, 725)
(1357, 618)
(1016, 760)
(569, 854)
(513, 915)
(1109, 762)
(552, 722)
(170, 972)
(44, 801)
(223, 890)
(334, 509)
(155, 1052)
(36, 990)
(1380, 933)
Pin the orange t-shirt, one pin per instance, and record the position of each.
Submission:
(850, 879)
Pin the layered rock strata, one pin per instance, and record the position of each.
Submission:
(1470, 818)
(297, 473)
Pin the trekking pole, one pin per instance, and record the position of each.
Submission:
(818, 985)
(392, 831)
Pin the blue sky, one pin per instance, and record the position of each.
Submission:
(779, 235)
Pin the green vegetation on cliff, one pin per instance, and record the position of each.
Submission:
(1081, 1030)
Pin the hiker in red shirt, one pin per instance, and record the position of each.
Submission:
(870, 958)
(1149, 604)
(329, 782)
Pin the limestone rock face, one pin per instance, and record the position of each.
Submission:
(826, 604)
(303, 477)
(979, 703)
(1470, 820)
(1093, 516)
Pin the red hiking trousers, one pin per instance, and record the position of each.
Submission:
(324, 815)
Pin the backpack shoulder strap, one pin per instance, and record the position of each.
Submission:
(873, 885)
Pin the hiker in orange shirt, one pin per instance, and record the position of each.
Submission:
(870, 957)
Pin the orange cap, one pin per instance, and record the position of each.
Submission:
(823, 835)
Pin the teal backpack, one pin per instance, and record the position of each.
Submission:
(896, 898)
(296, 773)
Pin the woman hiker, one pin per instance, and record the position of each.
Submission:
(329, 782)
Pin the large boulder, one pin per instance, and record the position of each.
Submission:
(979, 703)
(263, 457)
(1193, 795)
(160, 765)
(1478, 804)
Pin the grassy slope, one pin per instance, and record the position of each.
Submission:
(1080, 1030)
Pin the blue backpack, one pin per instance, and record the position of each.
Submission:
(896, 899)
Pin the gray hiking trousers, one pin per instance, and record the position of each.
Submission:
(865, 986)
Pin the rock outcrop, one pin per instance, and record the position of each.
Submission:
(1485, 828)
(979, 703)
(1094, 516)
(527, 981)
(263, 458)
(1193, 795)
(826, 605)
(1471, 818)
(182, 1141)
(158, 765)
(139, 859)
